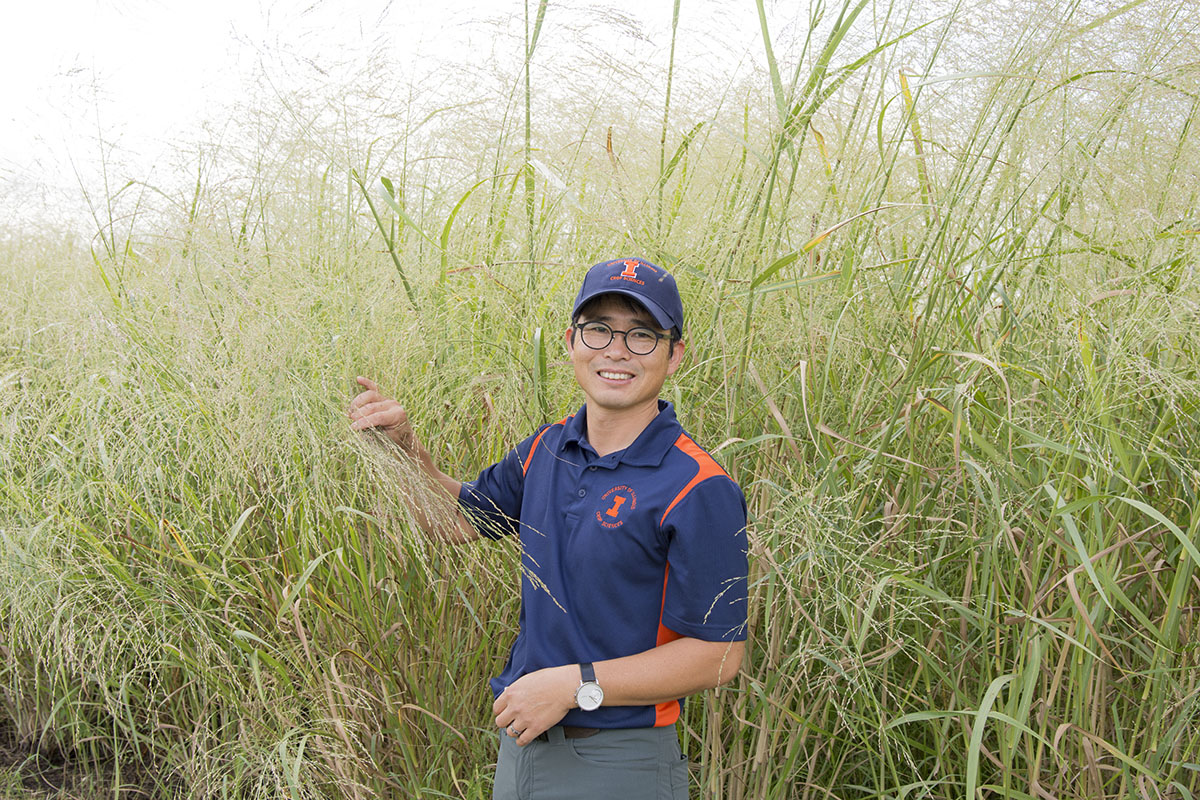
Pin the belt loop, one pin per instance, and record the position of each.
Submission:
(555, 735)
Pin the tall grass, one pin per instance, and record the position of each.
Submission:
(943, 329)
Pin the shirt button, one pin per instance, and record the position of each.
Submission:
(593, 468)
(583, 492)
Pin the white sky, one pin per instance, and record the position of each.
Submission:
(139, 76)
(128, 82)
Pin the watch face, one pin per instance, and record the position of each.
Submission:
(589, 696)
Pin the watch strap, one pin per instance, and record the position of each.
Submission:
(587, 673)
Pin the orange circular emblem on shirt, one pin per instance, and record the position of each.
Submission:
(616, 503)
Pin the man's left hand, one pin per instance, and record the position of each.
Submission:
(534, 703)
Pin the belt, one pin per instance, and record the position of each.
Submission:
(570, 732)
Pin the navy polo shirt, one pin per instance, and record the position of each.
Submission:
(619, 553)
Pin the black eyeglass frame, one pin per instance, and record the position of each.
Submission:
(612, 333)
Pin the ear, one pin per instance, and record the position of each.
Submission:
(568, 339)
(676, 357)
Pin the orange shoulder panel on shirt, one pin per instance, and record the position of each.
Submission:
(706, 468)
(533, 448)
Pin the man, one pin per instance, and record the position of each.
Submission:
(633, 590)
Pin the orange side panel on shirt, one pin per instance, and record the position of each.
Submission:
(665, 713)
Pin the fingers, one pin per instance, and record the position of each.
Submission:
(506, 719)
(371, 421)
(385, 412)
(501, 712)
(524, 735)
(364, 398)
(524, 721)
(372, 409)
(523, 732)
(371, 395)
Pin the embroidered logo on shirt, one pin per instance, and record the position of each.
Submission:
(615, 505)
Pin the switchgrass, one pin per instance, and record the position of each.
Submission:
(942, 313)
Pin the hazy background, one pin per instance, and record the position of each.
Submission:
(126, 86)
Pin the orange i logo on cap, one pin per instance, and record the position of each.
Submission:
(630, 272)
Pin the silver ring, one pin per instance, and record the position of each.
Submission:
(513, 732)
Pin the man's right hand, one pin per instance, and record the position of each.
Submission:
(372, 409)
(435, 512)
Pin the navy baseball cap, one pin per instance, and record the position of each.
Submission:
(650, 285)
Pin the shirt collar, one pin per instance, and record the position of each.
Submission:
(648, 449)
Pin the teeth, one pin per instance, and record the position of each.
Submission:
(615, 376)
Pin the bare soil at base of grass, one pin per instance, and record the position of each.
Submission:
(30, 772)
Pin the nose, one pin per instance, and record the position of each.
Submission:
(624, 347)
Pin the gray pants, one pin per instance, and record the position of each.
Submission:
(625, 763)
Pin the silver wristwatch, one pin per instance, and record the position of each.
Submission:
(589, 695)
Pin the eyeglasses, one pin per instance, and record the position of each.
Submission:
(639, 341)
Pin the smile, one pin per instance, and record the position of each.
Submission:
(614, 376)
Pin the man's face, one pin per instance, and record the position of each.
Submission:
(613, 378)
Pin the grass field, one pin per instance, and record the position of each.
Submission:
(944, 312)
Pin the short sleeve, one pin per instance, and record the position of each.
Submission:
(707, 565)
(492, 502)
